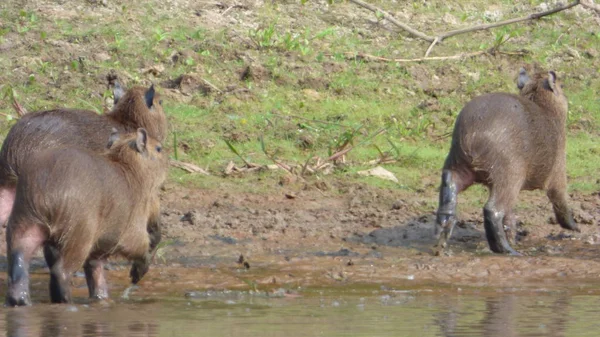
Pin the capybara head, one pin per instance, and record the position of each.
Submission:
(544, 89)
(141, 154)
(140, 107)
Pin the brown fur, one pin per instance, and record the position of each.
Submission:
(509, 143)
(42, 130)
(92, 206)
(132, 112)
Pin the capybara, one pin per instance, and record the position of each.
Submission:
(138, 107)
(83, 207)
(37, 131)
(508, 143)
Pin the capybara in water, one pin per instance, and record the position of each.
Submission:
(34, 132)
(83, 207)
(508, 143)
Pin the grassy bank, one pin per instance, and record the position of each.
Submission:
(282, 78)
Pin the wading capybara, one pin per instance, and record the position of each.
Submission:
(508, 143)
(83, 207)
(37, 131)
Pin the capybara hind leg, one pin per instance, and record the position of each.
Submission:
(95, 278)
(494, 231)
(60, 280)
(452, 184)
(7, 199)
(564, 216)
(21, 245)
(496, 209)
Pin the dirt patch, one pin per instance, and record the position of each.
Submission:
(364, 235)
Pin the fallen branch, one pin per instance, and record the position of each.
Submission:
(533, 16)
(191, 168)
(440, 37)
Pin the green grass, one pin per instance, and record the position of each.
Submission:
(307, 87)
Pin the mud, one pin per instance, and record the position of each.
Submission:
(222, 240)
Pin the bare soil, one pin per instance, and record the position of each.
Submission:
(363, 235)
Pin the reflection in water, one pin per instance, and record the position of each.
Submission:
(317, 314)
(67, 321)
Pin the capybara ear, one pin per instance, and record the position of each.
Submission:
(149, 96)
(552, 80)
(141, 140)
(114, 136)
(118, 92)
(523, 78)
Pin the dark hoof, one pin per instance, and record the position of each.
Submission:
(504, 249)
(17, 301)
(138, 270)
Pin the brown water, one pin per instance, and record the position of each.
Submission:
(319, 312)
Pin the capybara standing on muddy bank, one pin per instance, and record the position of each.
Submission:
(83, 207)
(508, 143)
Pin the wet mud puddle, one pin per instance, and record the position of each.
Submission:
(351, 311)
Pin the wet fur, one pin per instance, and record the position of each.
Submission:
(93, 206)
(508, 143)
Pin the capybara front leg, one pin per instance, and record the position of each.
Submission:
(96, 279)
(60, 287)
(141, 266)
(22, 242)
(494, 230)
(564, 216)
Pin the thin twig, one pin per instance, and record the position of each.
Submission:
(391, 19)
(435, 58)
(212, 85)
(228, 9)
(435, 41)
(7, 115)
(308, 119)
(190, 168)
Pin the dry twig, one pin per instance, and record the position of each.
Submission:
(434, 58)
(191, 168)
